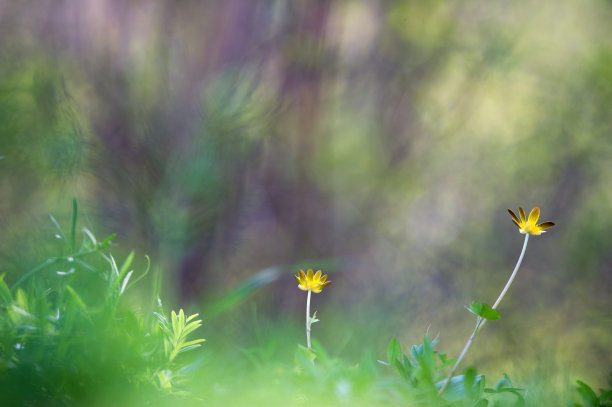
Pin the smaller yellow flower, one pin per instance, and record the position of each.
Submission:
(312, 282)
(528, 225)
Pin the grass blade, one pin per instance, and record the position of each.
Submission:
(74, 223)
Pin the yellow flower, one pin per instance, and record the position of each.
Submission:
(528, 225)
(312, 282)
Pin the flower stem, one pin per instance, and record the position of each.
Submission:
(308, 319)
(518, 264)
(481, 321)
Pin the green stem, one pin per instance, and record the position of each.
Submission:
(481, 321)
(308, 319)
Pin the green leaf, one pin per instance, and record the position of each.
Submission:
(415, 352)
(394, 351)
(5, 292)
(125, 281)
(305, 353)
(106, 241)
(76, 297)
(190, 327)
(181, 319)
(194, 342)
(408, 364)
(469, 377)
(174, 321)
(520, 400)
(428, 355)
(505, 382)
(483, 310)
(140, 277)
(313, 318)
(74, 222)
(58, 227)
(92, 238)
(587, 394)
(125, 266)
(165, 379)
(189, 347)
(606, 396)
(191, 317)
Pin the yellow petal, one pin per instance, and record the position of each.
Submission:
(324, 278)
(522, 214)
(534, 215)
(514, 217)
(309, 274)
(317, 275)
(545, 225)
(302, 275)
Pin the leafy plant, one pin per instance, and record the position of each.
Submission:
(590, 399)
(66, 337)
(175, 342)
(423, 372)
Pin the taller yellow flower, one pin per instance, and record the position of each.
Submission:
(528, 225)
(310, 281)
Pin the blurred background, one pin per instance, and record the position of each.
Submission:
(382, 141)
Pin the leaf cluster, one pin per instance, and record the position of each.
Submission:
(423, 374)
(590, 398)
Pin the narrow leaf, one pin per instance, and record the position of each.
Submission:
(125, 281)
(186, 348)
(58, 227)
(125, 266)
(114, 267)
(195, 341)
(174, 320)
(394, 351)
(191, 317)
(181, 320)
(5, 292)
(76, 297)
(74, 222)
(190, 328)
(91, 236)
(106, 241)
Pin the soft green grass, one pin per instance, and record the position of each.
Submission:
(72, 334)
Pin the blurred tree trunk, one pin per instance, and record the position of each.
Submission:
(298, 204)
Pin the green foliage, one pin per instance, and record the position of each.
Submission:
(423, 374)
(176, 333)
(590, 399)
(66, 338)
(70, 334)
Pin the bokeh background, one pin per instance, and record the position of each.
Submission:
(382, 140)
